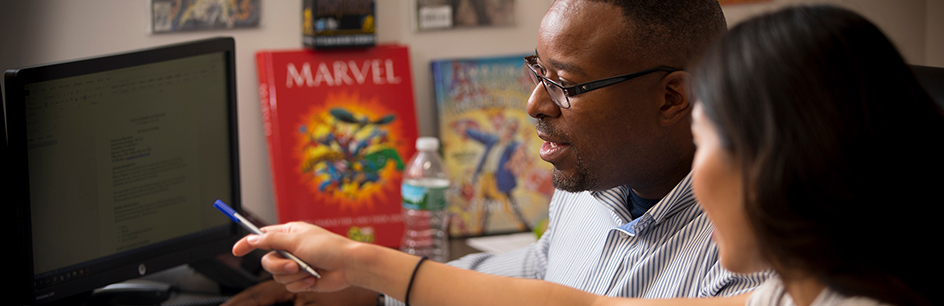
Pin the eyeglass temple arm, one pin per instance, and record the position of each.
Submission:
(581, 88)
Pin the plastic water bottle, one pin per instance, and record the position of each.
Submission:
(424, 203)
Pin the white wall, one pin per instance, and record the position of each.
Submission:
(41, 31)
(934, 33)
(915, 26)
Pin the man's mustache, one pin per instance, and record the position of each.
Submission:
(548, 130)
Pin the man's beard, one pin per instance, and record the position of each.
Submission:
(581, 180)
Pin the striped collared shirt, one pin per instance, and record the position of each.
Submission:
(592, 243)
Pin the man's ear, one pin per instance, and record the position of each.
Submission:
(677, 94)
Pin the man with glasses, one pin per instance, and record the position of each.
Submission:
(612, 103)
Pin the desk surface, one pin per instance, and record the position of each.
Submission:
(458, 248)
(495, 244)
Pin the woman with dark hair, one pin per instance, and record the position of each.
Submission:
(815, 158)
(829, 144)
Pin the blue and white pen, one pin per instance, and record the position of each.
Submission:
(232, 214)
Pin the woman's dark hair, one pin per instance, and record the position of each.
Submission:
(838, 145)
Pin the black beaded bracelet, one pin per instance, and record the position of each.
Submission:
(406, 299)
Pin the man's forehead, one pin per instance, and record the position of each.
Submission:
(575, 33)
(564, 64)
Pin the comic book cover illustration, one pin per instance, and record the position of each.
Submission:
(340, 126)
(490, 148)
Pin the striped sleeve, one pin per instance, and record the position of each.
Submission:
(527, 262)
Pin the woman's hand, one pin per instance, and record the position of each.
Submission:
(330, 254)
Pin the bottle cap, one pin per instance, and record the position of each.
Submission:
(427, 143)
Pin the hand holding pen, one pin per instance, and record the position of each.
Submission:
(331, 253)
(341, 262)
(236, 217)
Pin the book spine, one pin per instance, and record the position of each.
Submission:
(267, 100)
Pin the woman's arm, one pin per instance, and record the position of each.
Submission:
(343, 263)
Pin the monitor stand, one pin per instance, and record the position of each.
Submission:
(132, 292)
(204, 282)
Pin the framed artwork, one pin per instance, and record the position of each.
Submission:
(335, 23)
(724, 2)
(452, 14)
(192, 15)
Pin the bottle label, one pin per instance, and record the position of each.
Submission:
(423, 198)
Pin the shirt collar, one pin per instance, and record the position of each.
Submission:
(681, 197)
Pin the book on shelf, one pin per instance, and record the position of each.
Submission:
(340, 125)
(490, 148)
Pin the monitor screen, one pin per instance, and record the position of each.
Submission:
(116, 161)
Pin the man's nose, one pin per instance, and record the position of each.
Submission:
(540, 104)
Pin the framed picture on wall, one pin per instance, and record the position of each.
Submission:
(192, 15)
(337, 24)
(723, 2)
(452, 14)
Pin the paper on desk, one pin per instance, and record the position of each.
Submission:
(501, 243)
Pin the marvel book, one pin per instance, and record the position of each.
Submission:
(340, 126)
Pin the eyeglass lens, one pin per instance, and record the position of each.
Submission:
(556, 93)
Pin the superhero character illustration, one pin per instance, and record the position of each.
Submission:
(344, 151)
(495, 175)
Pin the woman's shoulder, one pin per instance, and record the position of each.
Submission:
(772, 293)
(830, 297)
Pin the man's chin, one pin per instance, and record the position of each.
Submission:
(571, 182)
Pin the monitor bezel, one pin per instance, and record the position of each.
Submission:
(154, 258)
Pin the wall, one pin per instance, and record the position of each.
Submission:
(934, 48)
(916, 26)
(41, 31)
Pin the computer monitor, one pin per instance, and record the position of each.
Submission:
(114, 163)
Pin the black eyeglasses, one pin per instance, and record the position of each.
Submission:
(561, 94)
